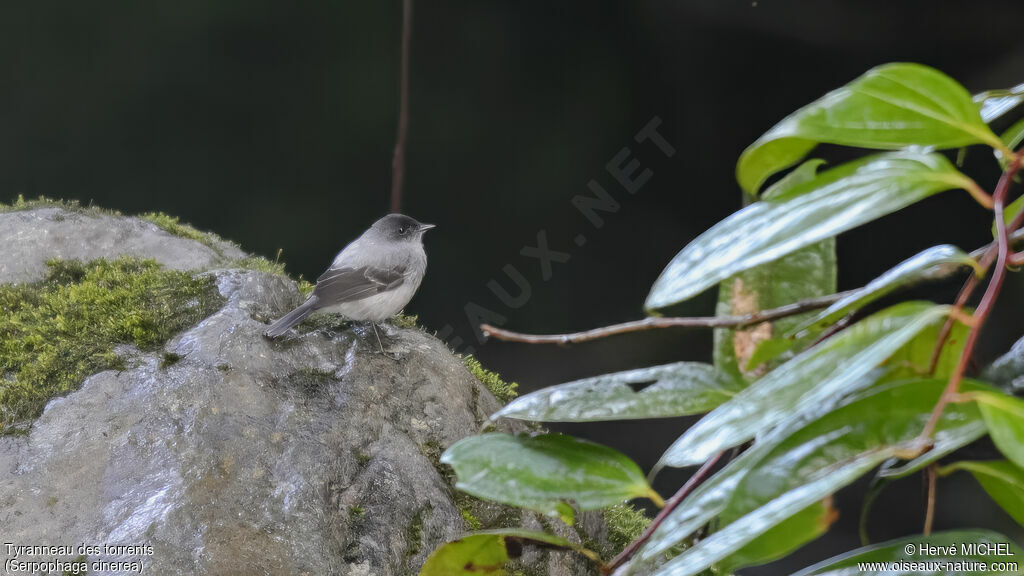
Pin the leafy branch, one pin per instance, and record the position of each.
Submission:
(817, 394)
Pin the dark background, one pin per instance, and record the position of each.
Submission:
(272, 124)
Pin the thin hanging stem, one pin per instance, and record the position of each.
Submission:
(929, 515)
(398, 160)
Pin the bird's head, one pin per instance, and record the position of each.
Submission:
(399, 227)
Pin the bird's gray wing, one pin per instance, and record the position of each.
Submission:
(346, 284)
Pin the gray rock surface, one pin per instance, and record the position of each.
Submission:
(309, 455)
(31, 237)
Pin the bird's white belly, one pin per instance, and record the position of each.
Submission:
(378, 307)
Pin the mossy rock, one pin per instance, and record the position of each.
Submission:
(182, 427)
(55, 332)
(36, 232)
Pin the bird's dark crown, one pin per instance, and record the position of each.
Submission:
(400, 227)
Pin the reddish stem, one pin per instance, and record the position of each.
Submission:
(961, 301)
(698, 477)
(987, 301)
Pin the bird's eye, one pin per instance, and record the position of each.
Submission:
(401, 230)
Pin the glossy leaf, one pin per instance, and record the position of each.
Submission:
(805, 172)
(931, 263)
(1004, 416)
(768, 350)
(848, 564)
(779, 540)
(890, 107)
(995, 103)
(1007, 371)
(808, 384)
(835, 201)
(485, 552)
(1014, 135)
(807, 273)
(802, 467)
(662, 391)
(913, 361)
(711, 498)
(545, 473)
(1001, 479)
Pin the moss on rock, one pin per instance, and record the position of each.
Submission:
(402, 320)
(173, 225)
(55, 333)
(505, 392)
(20, 203)
(625, 524)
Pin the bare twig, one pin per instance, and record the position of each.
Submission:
(793, 309)
(398, 160)
(698, 477)
(649, 323)
(984, 307)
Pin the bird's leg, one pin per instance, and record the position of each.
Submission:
(374, 325)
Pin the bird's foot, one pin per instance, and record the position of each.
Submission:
(380, 344)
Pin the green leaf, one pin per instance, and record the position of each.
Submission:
(802, 466)
(808, 384)
(1013, 135)
(1004, 416)
(805, 172)
(890, 107)
(768, 350)
(938, 550)
(485, 552)
(911, 361)
(933, 262)
(778, 540)
(659, 392)
(914, 358)
(835, 201)
(1002, 480)
(807, 273)
(1007, 371)
(995, 103)
(545, 473)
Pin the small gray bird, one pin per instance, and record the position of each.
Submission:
(372, 279)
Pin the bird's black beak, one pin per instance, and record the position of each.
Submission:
(425, 227)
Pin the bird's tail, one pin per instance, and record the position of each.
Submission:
(291, 319)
